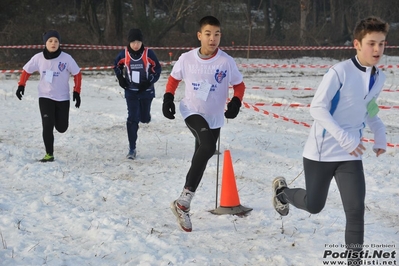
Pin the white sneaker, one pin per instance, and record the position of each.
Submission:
(183, 217)
(184, 200)
(278, 183)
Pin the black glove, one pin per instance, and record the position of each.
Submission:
(20, 91)
(76, 97)
(168, 106)
(233, 107)
(122, 82)
(143, 86)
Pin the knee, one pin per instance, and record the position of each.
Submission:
(62, 129)
(315, 208)
(208, 149)
(131, 121)
(355, 215)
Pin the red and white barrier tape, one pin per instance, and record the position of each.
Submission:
(298, 89)
(239, 65)
(284, 118)
(296, 105)
(231, 48)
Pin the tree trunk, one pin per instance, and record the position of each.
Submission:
(89, 11)
(305, 9)
(114, 22)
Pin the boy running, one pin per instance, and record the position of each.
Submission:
(207, 72)
(55, 68)
(344, 103)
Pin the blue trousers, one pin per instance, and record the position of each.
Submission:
(138, 110)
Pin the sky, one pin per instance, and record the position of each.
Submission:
(91, 206)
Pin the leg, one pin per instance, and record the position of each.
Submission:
(318, 177)
(62, 116)
(145, 110)
(205, 146)
(47, 112)
(132, 123)
(206, 138)
(352, 187)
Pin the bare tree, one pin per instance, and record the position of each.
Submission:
(113, 28)
(305, 9)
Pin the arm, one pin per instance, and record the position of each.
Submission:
(168, 106)
(172, 85)
(380, 139)
(23, 78)
(119, 63)
(239, 90)
(320, 111)
(78, 82)
(156, 69)
(233, 107)
(22, 83)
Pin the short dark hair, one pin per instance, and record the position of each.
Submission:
(208, 20)
(368, 25)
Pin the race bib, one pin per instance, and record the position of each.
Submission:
(203, 91)
(49, 76)
(372, 108)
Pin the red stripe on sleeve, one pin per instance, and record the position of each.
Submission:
(172, 85)
(78, 82)
(239, 90)
(23, 78)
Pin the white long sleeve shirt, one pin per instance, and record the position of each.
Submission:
(333, 136)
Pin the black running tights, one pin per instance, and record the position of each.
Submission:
(349, 177)
(205, 146)
(54, 114)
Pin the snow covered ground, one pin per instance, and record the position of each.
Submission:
(91, 206)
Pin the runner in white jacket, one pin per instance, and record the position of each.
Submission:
(344, 103)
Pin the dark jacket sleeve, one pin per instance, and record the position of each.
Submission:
(119, 63)
(155, 69)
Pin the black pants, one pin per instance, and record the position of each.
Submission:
(54, 114)
(205, 146)
(351, 184)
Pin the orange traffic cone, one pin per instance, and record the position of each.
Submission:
(229, 199)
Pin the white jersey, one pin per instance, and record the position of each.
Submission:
(206, 84)
(54, 75)
(333, 136)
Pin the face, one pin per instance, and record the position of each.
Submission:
(135, 45)
(52, 44)
(209, 36)
(370, 49)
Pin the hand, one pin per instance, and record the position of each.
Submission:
(378, 152)
(233, 107)
(168, 106)
(143, 86)
(20, 91)
(122, 82)
(76, 97)
(358, 151)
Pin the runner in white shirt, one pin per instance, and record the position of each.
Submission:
(207, 73)
(344, 103)
(55, 68)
